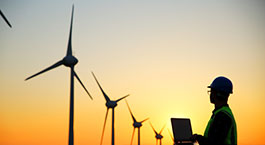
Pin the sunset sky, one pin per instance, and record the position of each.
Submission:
(164, 53)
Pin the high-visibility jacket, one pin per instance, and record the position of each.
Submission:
(231, 138)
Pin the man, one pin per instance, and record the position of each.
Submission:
(221, 128)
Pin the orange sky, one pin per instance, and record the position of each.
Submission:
(163, 53)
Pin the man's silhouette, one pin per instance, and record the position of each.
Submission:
(221, 128)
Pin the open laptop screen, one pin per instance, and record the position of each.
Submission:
(181, 129)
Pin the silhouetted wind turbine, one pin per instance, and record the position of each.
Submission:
(109, 104)
(158, 136)
(69, 61)
(135, 124)
(3, 16)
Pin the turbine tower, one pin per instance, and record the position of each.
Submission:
(158, 136)
(109, 104)
(3, 16)
(136, 124)
(69, 61)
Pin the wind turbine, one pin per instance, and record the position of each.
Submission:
(69, 61)
(3, 16)
(158, 136)
(109, 104)
(135, 124)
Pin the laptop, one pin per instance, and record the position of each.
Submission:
(182, 130)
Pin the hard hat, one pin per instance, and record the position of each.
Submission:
(222, 84)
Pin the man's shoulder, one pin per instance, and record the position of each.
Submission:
(223, 117)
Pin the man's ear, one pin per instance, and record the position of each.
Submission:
(219, 95)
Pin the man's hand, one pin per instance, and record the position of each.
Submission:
(193, 137)
(196, 137)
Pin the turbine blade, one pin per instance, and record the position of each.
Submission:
(3, 16)
(153, 129)
(122, 98)
(132, 136)
(134, 120)
(82, 85)
(170, 135)
(104, 94)
(104, 125)
(144, 120)
(69, 47)
(47, 69)
(160, 142)
(162, 129)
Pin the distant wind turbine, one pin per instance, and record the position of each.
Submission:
(109, 104)
(3, 16)
(135, 125)
(69, 61)
(158, 136)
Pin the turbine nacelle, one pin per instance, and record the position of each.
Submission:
(111, 104)
(70, 61)
(137, 124)
(159, 136)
